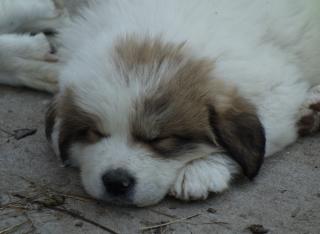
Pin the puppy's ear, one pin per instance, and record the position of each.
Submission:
(58, 127)
(52, 129)
(67, 124)
(238, 130)
(55, 131)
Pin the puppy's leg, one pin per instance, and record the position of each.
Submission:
(31, 15)
(309, 116)
(200, 177)
(27, 61)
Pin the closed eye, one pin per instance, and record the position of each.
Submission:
(172, 144)
(91, 135)
(175, 138)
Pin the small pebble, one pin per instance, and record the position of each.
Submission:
(211, 210)
(78, 223)
(258, 229)
(295, 212)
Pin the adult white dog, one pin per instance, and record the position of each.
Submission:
(170, 96)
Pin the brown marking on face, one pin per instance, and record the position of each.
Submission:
(190, 104)
(172, 116)
(76, 125)
(132, 51)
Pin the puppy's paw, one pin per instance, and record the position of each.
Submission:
(34, 48)
(40, 77)
(309, 115)
(200, 177)
(31, 62)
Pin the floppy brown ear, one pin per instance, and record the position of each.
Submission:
(53, 132)
(239, 131)
(67, 124)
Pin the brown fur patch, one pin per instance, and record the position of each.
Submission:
(186, 102)
(132, 51)
(76, 124)
(173, 112)
(239, 131)
(308, 124)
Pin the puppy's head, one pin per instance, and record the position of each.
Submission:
(134, 117)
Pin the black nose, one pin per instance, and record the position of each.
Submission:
(118, 182)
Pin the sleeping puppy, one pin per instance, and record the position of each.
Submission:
(180, 96)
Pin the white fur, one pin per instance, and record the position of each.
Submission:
(26, 60)
(260, 46)
(202, 176)
(269, 49)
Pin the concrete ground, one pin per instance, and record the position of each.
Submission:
(39, 196)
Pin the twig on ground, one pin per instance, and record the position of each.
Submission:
(17, 204)
(13, 228)
(84, 219)
(209, 223)
(61, 210)
(169, 222)
(16, 207)
(45, 191)
(50, 190)
(23, 133)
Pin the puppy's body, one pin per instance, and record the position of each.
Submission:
(266, 48)
(178, 96)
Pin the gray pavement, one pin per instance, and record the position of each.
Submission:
(37, 195)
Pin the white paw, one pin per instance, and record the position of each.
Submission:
(41, 77)
(51, 23)
(309, 115)
(200, 177)
(30, 62)
(34, 48)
